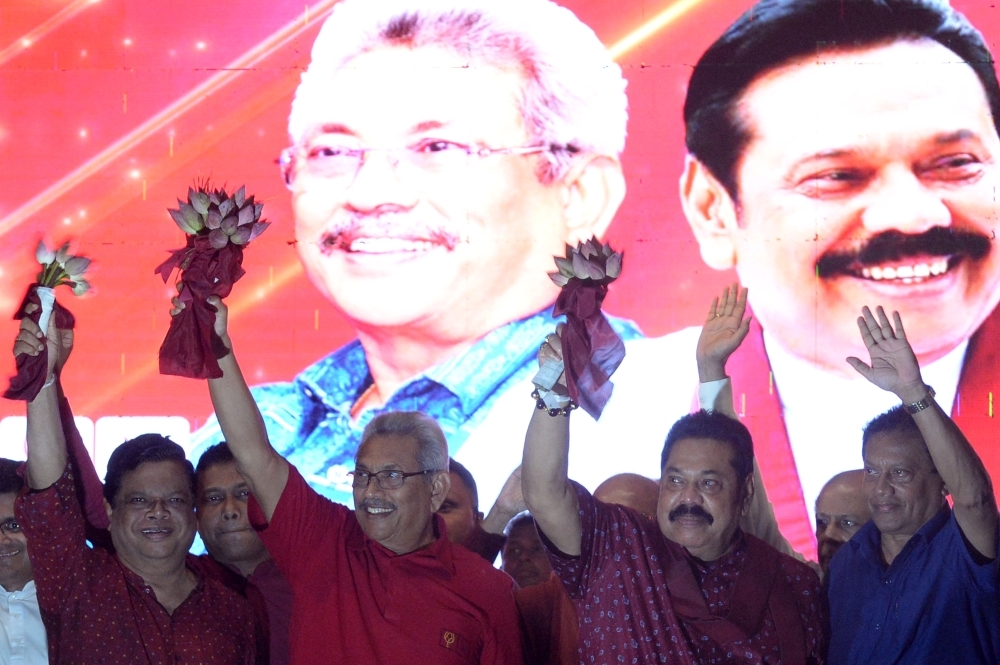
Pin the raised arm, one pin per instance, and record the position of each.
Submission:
(544, 471)
(265, 471)
(894, 368)
(723, 332)
(46, 440)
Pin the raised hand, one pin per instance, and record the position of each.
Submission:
(29, 341)
(221, 315)
(893, 365)
(722, 333)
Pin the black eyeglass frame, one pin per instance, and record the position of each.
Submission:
(381, 477)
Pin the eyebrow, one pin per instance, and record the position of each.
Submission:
(955, 137)
(946, 138)
(708, 472)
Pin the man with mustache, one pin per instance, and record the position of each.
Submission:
(691, 586)
(382, 583)
(22, 633)
(841, 511)
(842, 151)
(442, 153)
(919, 582)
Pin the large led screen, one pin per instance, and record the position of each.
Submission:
(865, 176)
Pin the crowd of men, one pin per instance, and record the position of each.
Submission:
(697, 567)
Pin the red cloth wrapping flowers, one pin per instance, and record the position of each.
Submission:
(32, 370)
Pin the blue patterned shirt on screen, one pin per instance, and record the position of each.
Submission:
(309, 420)
(936, 603)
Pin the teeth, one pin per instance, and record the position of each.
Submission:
(908, 274)
(389, 245)
(379, 511)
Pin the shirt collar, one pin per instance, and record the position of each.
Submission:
(440, 550)
(868, 541)
(27, 591)
(340, 378)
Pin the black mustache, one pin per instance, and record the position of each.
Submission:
(692, 510)
(895, 246)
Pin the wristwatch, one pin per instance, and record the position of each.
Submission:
(920, 405)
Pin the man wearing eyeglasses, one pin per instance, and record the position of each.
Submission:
(441, 154)
(22, 633)
(382, 583)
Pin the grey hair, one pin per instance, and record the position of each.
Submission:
(574, 93)
(432, 447)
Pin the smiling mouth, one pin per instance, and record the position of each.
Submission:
(376, 510)
(377, 245)
(4, 555)
(157, 532)
(915, 272)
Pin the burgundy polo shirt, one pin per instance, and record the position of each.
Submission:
(358, 602)
(642, 598)
(98, 611)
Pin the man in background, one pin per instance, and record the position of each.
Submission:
(841, 511)
(22, 633)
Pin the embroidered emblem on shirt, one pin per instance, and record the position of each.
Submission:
(454, 642)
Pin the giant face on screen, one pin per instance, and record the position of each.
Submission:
(861, 172)
(435, 167)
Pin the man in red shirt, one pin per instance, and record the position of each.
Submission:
(244, 564)
(144, 602)
(382, 584)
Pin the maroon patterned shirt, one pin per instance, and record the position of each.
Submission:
(625, 586)
(98, 611)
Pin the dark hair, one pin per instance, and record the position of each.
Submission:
(217, 454)
(143, 449)
(467, 480)
(720, 427)
(774, 32)
(895, 419)
(520, 520)
(10, 481)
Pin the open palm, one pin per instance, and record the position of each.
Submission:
(893, 365)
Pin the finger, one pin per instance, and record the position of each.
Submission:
(30, 308)
(863, 369)
(555, 343)
(28, 345)
(866, 333)
(883, 323)
(712, 309)
(732, 295)
(741, 302)
(30, 327)
(900, 334)
(871, 324)
(31, 339)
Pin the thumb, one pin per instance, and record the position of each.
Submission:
(221, 314)
(862, 369)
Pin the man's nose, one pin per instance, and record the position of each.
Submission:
(157, 508)
(378, 185)
(230, 508)
(882, 485)
(691, 495)
(899, 201)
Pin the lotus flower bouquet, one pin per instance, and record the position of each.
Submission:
(591, 349)
(59, 268)
(218, 227)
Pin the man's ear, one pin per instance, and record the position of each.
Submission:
(108, 509)
(478, 516)
(748, 490)
(440, 486)
(711, 212)
(595, 188)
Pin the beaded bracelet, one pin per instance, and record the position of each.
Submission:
(542, 406)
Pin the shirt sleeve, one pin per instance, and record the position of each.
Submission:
(54, 525)
(502, 644)
(575, 572)
(302, 521)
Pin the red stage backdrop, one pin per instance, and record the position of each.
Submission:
(111, 108)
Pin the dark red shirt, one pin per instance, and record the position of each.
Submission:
(358, 602)
(625, 586)
(99, 611)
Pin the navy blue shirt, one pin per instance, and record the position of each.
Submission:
(934, 604)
